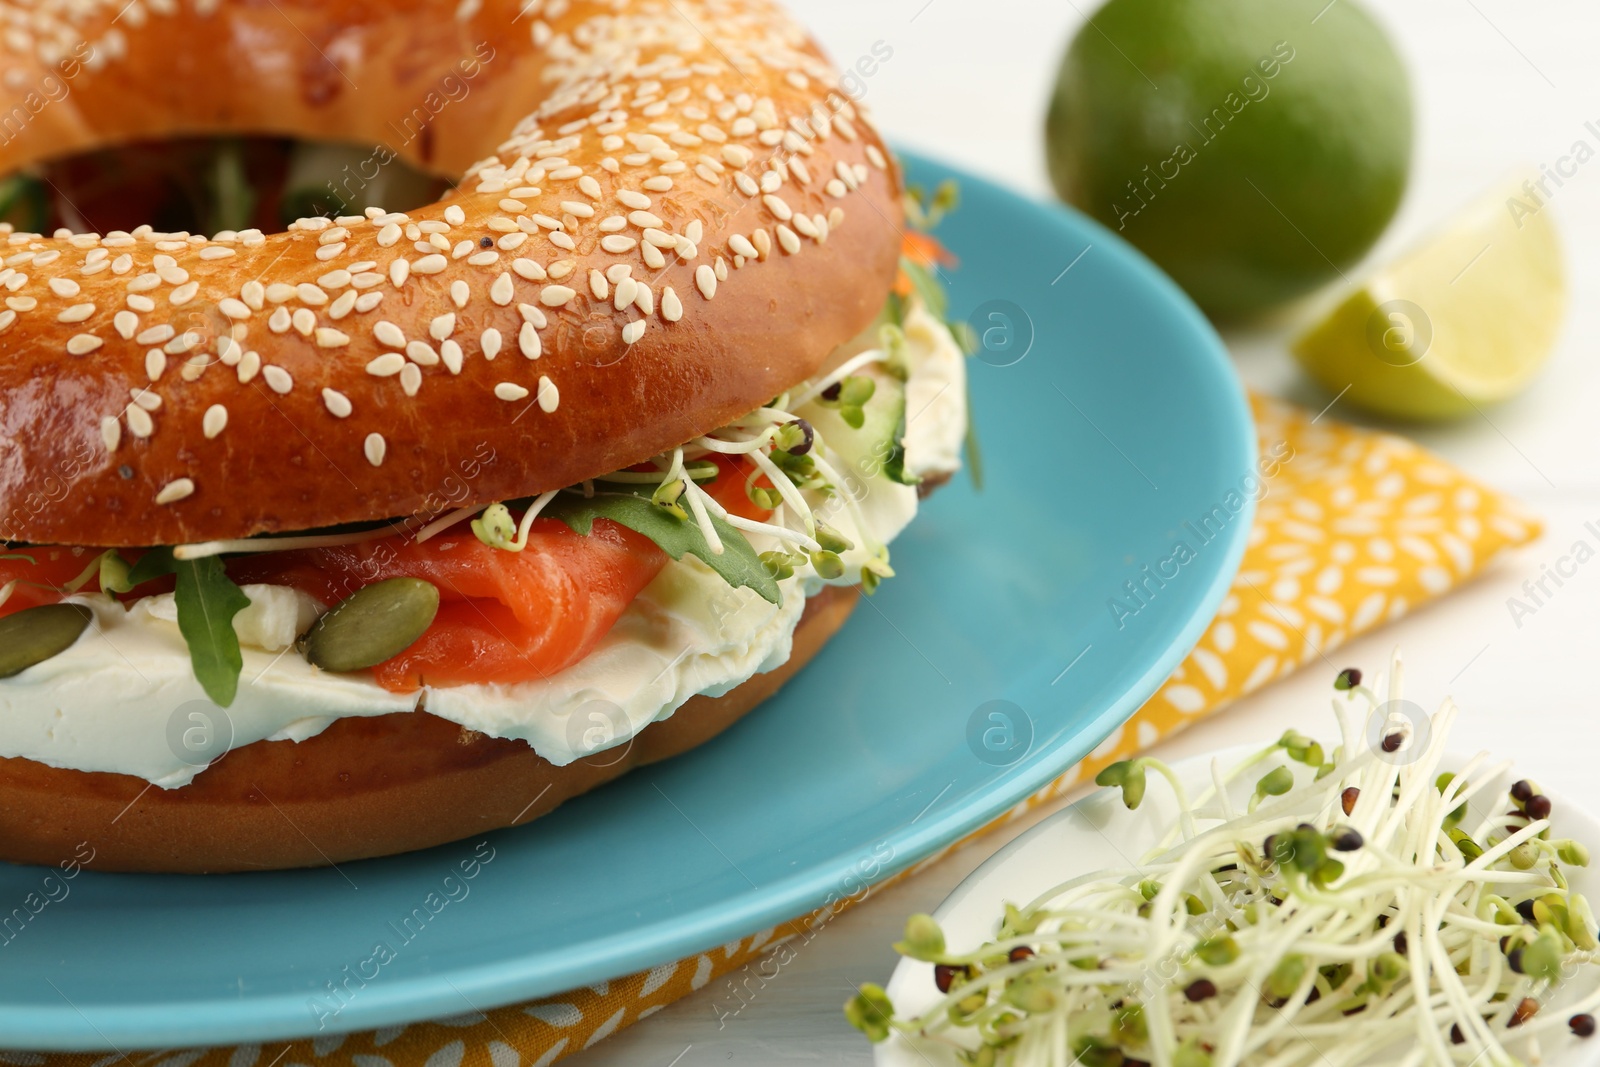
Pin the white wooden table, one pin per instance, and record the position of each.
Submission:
(1499, 85)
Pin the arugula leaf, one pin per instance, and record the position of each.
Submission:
(927, 287)
(738, 565)
(974, 452)
(156, 563)
(207, 601)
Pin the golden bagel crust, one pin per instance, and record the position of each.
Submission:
(363, 787)
(683, 218)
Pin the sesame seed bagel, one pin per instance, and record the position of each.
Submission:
(363, 787)
(666, 214)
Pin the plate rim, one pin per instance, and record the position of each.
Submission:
(486, 985)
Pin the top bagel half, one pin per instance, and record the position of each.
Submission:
(667, 213)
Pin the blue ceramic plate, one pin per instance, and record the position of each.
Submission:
(1109, 418)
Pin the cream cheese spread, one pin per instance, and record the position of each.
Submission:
(122, 698)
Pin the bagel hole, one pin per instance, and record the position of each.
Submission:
(205, 185)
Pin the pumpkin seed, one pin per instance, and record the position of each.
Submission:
(373, 624)
(34, 635)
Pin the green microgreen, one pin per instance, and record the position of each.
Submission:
(1295, 912)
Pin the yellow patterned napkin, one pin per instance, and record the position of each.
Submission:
(1355, 528)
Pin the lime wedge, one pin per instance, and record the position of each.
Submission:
(1465, 319)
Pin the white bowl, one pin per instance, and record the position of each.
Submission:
(1098, 832)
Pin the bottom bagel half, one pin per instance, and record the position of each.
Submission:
(363, 787)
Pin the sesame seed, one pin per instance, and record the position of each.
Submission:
(660, 184)
(183, 293)
(422, 354)
(341, 307)
(228, 350)
(78, 312)
(741, 245)
(459, 291)
(450, 352)
(145, 399)
(110, 433)
(617, 244)
(490, 343)
(510, 391)
(549, 395)
(778, 206)
(705, 279)
(375, 446)
(249, 367)
(527, 268)
(442, 326)
(590, 187)
(334, 279)
(410, 379)
(788, 239)
(560, 240)
(126, 324)
(304, 321)
(613, 223)
(389, 334)
(140, 424)
(328, 252)
(387, 365)
(155, 364)
(652, 257)
(626, 289)
(671, 306)
(629, 198)
(231, 307)
(142, 284)
(502, 291)
(327, 337)
(277, 379)
(633, 331)
(82, 344)
(214, 421)
(21, 303)
(399, 271)
(174, 491)
(337, 403)
(253, 293)
(528, 341)
(280, 292)
(645, 219)
(556, 295)
(389, 235)
(455, 217)
(645, 298)
(367, 301)
(63, 287)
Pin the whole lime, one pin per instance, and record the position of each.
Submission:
(1252, 148)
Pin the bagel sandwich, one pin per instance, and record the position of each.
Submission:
(394, 524)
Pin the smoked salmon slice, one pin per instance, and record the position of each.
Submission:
(503, 616)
